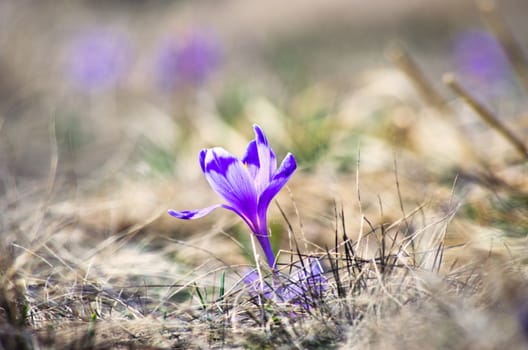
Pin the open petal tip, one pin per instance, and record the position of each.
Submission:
(192, 214)
(289, 162)
(201, 158)
(218, 160)
(259, 134)
(184, 215)
(251, 155)
(286, 169)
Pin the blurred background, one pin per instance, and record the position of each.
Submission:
(107, 73)
(106, 104)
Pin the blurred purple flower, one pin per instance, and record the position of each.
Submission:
(253, 282)
(522, 317)
(247, 185)
(189, 61)
(479, 59)
(98, 59)
(302, 287)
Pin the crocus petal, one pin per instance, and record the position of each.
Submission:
(193, 214)
(267, 160)
(278, 181)
(260, 230)
(251, 159)
(228, 177)
(201, 159)
(249, 220)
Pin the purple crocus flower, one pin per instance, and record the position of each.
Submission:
(187, 61)
(98, 59)
(247, 185)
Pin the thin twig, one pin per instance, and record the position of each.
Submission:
(54, 158)
(398, 55)
(505, 37)
(257, 264)
(485, 114)
(298, 215)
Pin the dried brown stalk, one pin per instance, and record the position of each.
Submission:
(505, 37)
(403, 60)
(488, 117)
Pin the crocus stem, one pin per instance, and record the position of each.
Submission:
(264, 241)
(269, 254)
